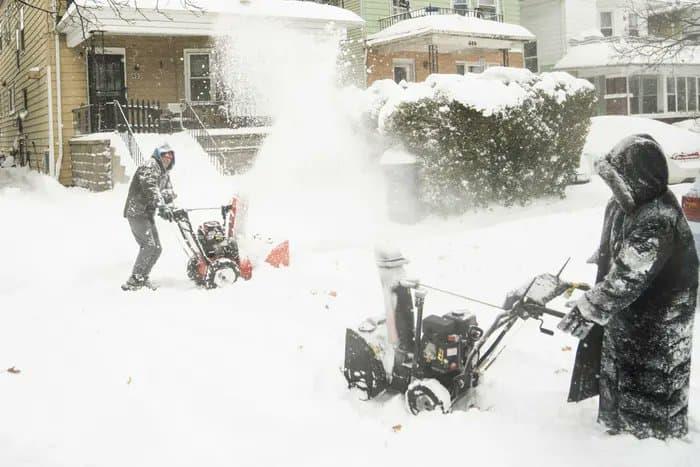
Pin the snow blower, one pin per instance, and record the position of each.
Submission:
(213, 257)
(450, 352)
(213, 249)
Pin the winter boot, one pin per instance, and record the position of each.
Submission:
(135, 282)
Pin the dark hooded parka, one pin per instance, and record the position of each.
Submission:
(637, 358)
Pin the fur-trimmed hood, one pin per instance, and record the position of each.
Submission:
(635, 170)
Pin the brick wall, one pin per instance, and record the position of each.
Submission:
(380, 65)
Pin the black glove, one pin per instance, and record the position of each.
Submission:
(168, 196)
(575, 324)
(164, 212)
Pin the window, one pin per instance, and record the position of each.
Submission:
(198, 76)
(616, 96)
(461, 6)
(633, 24)
(682, 105)
(692, 94)
(404, 70)
(399, 6)
(20, 27)
(461, 68)
(530, 55)
(681, 94)
(466, 67)
(606, 24)
(644, 93)
(650, 92)
(11, 99)
(670, 94)
(486, 9)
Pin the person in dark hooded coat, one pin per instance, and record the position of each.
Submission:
(150, 190)
(636, 355)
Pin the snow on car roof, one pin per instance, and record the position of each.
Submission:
(450, 24)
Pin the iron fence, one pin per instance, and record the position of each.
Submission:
(432, 10)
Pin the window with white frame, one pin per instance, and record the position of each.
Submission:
(399, 6)
(20, 27)
(615, 95)
(670, 94)
(681, 94)
(606, 23)
(460, 6)
(11, 99)
(472, 67)
(404, 70)
(633, 24)
(199, 76)
(530, 56)
(487, 8)
(644, 94)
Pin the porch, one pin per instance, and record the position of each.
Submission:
(412, 45)
(154, 70)
(627, 84)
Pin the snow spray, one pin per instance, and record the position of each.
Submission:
(315, 179)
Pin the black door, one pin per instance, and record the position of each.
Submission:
(106, 80)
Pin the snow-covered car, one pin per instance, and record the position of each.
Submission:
(691, 209)
(681, 146)
(584, 172)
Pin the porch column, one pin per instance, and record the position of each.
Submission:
(506, 58)
(433, 57)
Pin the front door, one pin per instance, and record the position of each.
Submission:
(107, 84)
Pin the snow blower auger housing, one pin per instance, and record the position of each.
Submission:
(451, 352)
(213, 256)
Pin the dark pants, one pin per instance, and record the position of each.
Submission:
(146, 235)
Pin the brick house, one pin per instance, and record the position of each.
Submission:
(67, 69)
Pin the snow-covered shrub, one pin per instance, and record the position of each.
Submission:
(504, 136)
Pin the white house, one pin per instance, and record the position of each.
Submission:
(598, 40)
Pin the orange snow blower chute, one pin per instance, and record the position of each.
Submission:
(277, 257)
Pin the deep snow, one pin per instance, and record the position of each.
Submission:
(250, 375)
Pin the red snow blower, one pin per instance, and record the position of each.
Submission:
(214, 257)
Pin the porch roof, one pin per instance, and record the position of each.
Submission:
(601, 53)
(207, 18)
(449, 32)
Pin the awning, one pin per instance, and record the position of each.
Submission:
(450, 33)
(214, 17)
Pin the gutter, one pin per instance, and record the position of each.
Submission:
(59, 97)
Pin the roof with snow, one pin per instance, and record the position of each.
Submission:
(453, 25)
(605, 53)
(196, 17)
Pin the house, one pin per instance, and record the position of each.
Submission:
(410, 41)
(69, 68)
(604, 42)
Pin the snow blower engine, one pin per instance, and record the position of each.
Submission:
(213, 256)
(450, 352)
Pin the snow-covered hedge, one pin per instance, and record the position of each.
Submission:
(504, 136)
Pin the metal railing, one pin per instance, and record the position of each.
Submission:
(126, 132)
(432, 10)
(144, 116)
(191, 122)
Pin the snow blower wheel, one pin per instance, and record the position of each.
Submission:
(220, 273)
(426, 395)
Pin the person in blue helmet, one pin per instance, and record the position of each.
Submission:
(150, 192)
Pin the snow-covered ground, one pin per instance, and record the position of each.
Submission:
(249, 375)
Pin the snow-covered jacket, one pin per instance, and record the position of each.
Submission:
(149, 183)
(638, 356)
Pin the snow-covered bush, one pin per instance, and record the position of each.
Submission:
(504, 136)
